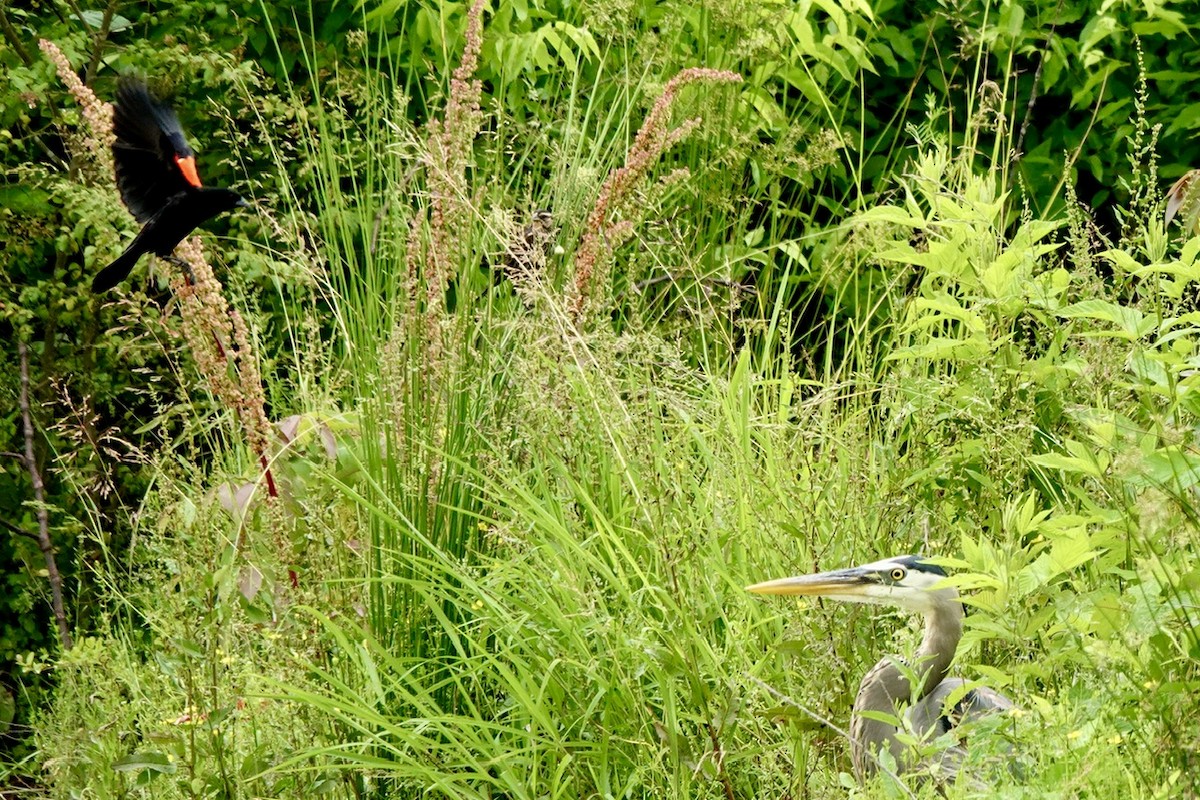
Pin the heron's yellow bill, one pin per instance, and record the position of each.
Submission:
(842, 581)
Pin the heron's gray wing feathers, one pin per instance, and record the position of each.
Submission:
(950, 704)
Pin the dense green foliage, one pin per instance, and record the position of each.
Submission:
(904, 287)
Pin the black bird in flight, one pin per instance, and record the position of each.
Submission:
(157, 178)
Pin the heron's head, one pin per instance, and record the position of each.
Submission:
(905, 581)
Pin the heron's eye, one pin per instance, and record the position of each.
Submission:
(898, 574)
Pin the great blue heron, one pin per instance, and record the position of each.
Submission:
(912, 583)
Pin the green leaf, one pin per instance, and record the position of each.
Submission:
(28, 201)
(881, 716)
(189, 648)
(1064, 556)
(1081, 462)
(891, 215)
(154, 762)
(95, 20)
(943, 348)
(1169, 467)
(1131, 323)
(1121, 260)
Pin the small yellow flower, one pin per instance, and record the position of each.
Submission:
(1016, 712)
(482, 527)
(1114, 739)
(1073, 735)
(1150, 685)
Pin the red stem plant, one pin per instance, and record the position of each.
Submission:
(219, 341)
(610, 222)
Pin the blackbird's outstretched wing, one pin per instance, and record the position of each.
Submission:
(153, 162)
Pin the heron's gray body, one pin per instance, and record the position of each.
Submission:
(940, 705)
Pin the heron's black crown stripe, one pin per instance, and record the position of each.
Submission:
(919, 564)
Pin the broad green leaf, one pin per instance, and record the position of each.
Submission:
(155, 762)
(1131, 323)
(1064, 556)
(941, 348)
(95, 19)
(1169, 467)
(1066, 464)
(892, 215)
(26, 200)
(1121, 260)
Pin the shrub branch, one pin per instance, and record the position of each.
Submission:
(39, 499)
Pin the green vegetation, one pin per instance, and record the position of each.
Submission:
(418, 502)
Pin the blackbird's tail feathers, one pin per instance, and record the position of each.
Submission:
(117, 271)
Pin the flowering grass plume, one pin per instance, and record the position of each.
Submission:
(99, 138)
(609, 224)
(449, 149)
(418, 360)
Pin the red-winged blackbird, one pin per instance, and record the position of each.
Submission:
(156, 174)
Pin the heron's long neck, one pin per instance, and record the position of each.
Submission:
(943, 629)
(887, 684)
